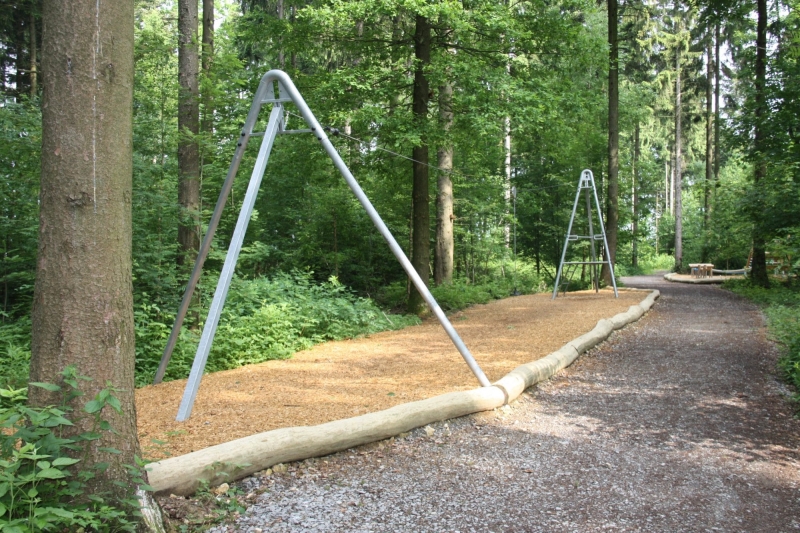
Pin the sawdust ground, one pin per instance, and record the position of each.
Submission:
(343, 379)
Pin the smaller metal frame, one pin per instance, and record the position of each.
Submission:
(586, 183)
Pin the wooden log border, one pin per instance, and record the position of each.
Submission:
(240, 458)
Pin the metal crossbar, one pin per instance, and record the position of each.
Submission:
(585, 184)
(266, 94)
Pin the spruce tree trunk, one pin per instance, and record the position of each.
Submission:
(612, 218)
(759, 272)
(716, 105)
(32, 50)
(708, 188)
(83, 301)
(443, 255)
(420, 253)
(678, 167)
(637, 152)
(188, 127)
(207, 60)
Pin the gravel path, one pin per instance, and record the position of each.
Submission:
(677, 423)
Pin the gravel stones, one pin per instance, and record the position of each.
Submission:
(677, 423)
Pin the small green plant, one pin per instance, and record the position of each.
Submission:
(264, 319)
(15, 351)
(781, 305)
(42, 484)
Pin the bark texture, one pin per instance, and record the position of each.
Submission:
(420, 253)
(83, 304)
(759, 272)
(207, 61)
(612, 218)
(34, 74)
(189, 127)
(709, 182)
(637, 153)
(443, 256)
(678, 166)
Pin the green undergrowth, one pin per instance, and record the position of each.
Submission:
(15, 352)
(504, 280)
(46, 472)
(781, 304)
(263, 319)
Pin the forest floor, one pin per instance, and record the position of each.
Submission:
(342, 379)
(677, 423)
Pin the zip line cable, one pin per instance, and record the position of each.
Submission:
(336, 132)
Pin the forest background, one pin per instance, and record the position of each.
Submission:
(515, 103)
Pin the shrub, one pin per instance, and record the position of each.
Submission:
(263, 319)
(15, 352)
(42, 484)
(781, 305)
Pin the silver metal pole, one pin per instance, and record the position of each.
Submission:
(224, 283)
(566, 240)
(603, 230)
(205, 246)
(592, 268)
(318, 131)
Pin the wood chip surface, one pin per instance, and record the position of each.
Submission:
(343, 379)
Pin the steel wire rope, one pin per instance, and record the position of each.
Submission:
(336, 132)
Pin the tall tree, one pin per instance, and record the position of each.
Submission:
(709, 181)
(420, 252)
(759, 272)
(189, 127)
(678, 166)
(443, 255)
(612, 217)
(83, 308)
(33, 54)
(207, 59)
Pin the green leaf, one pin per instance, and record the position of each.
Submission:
(114, 403)
(51, 473)
(109, 450)
(65, 461)
(93, 406)
(45, 386)
(63, 513)
(44, 465)
(2, 509)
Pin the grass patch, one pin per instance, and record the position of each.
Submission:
(781, 304)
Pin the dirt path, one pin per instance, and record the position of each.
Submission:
(339, 380)
(676, 424)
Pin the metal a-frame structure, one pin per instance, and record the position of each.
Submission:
(585, 184)
(267, 95)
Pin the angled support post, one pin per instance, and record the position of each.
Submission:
(586, 183)
(265, 94)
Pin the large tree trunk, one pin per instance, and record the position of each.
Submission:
(637, 152)
(612, 219)
(678, 166)
(188, 126)
(759, 272)
(709, 182)
(443, 255)
(207, 61)
(716, 105)
(83, 301)
(420, 253)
